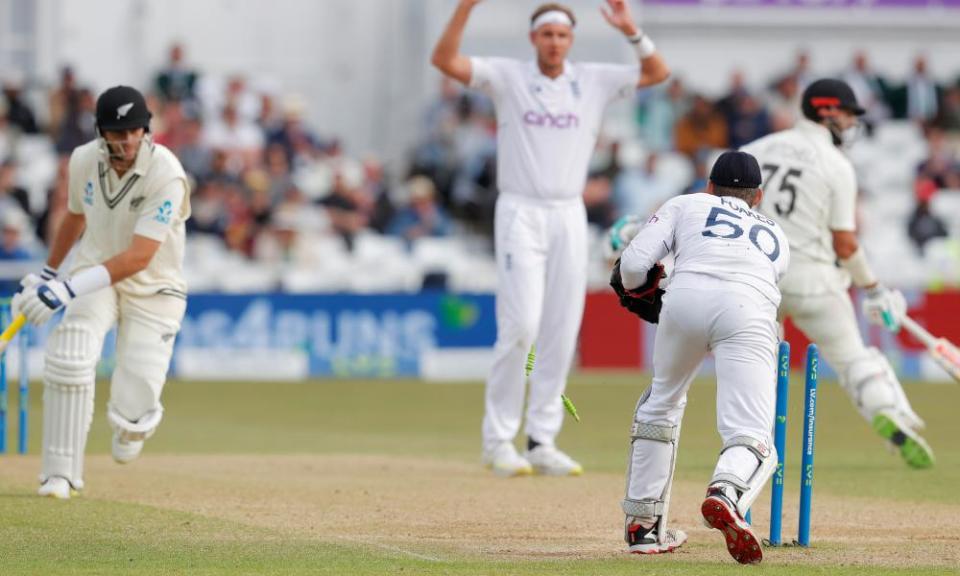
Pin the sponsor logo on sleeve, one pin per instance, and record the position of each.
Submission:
(88, 193)
(164, 213)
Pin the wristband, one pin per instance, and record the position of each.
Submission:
(642, 45)
(48, 272)
(89, 280)
(859, 269)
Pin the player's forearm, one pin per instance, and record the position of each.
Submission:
(639, 257)
(653, 70)
(125, 265)
(446, 54)
(859, 268)
(134, 259)
(852, 258)
(67, 234)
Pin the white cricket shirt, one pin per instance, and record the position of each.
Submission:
(547, 128)
(151, 200)
(809, 186)
(719, 237)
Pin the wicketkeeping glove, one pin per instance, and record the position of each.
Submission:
(645, 300)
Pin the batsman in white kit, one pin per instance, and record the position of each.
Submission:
(722, 298)
(549, 113)
(811, 191)
(128, 201)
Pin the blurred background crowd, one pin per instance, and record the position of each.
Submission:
(280, 204)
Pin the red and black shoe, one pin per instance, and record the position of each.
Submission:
(720, 513)
(642, 540)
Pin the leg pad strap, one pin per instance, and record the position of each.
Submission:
(642, 508)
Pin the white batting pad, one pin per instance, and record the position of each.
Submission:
(69, 376)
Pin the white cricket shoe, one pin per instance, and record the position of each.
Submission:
(643, 540)
(57, 487)
(505, 462)
(125, 451)
(550, 461)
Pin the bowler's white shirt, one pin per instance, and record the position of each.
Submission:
(719, 237)
(547, 128)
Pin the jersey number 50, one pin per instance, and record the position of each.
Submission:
(735, 231)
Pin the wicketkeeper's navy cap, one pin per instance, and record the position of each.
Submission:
(735, 169)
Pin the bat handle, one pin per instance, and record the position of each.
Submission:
(889, 322)
(919, 331)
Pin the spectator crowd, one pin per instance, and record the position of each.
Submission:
(265, 184)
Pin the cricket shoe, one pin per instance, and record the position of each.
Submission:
(505, 462)
(550, 461)
(125, 451)
(912, 447)
(643, 540)
(57, 487)
(720, 513)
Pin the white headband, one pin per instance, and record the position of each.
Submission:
(551, 17)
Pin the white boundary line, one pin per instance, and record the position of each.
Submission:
(388, 548)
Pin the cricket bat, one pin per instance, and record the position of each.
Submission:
(940, 349)
(11, 331)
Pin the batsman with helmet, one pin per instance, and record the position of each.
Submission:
(722, 298)
(811, 191)
(128, 201)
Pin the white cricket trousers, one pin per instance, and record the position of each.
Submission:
(828, 318)
(701, 314)
(541, 254)
(146, 329)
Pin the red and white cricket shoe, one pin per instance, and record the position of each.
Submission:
(720, 513)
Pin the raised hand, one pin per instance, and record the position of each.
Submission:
(617, 14)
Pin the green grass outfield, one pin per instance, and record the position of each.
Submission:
(97, 535)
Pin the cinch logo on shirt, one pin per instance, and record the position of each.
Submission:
(547, 120)
(164, 212)
(88, 194)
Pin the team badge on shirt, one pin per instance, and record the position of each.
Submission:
(88, 193)
(136, 202)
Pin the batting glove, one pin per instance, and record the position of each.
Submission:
(885, 307)
(39, 302)
(621, 234)
(31, 279)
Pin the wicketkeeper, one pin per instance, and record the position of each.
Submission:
(128, 201)
(723, 299)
